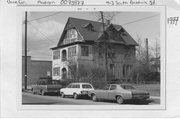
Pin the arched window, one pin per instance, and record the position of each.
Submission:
(64, 55)
(64, 73)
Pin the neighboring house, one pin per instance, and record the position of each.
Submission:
(35, 69)
(78, 44)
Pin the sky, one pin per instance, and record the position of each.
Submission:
(44, 33)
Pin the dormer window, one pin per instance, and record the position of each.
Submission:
(89, 27)
(122, 31)
(71, 36)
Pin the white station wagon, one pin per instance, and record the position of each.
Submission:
(76, 90)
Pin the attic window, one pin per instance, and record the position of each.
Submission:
(89, 27)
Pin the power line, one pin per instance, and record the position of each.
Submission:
(44, 17)
(42, 33)
(140, 19)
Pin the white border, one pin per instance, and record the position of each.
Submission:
(160, 9)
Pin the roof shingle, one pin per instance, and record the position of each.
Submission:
(92, 35)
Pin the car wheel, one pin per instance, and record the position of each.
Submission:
(94, 97)
(75, 96)
(62, 95)
(119, 100)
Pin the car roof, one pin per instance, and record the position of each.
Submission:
(80, 83)
(120, 84)
(126, 84)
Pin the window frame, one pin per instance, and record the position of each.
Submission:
(105, 88)
(83, 52)
(69, 86)
(56, 54)
(71, 33)
(57, 72)
(72, 51)
(112, 86)
(127, 68)
(75, 86)
(86, 87)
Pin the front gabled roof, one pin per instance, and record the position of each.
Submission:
(91, 35)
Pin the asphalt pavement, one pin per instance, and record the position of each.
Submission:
(31, 99)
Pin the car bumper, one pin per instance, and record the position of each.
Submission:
(53, 91)
(83, 93)
(141, 97)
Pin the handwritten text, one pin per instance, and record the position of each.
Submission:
(131, 2)
(16, 2)
(173, 20)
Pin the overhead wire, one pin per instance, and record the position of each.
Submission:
(44, 17)
(61, 12)
(41, 33)
(140, 19)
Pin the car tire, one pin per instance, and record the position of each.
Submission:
(119, 99)
(62, 95)
(75, 96)
(94, 98)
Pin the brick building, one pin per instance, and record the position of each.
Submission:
(35, 69)
(78, 44)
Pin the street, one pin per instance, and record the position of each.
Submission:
(31, 99)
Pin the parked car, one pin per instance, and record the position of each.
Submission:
(76, 90)
(118, 93)
(44, 86)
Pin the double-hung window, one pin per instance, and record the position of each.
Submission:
(84, 51)
(56, 71)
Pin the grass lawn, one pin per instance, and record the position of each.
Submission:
(153, 89)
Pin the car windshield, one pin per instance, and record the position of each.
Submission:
(69, 86)
(86, 86)
(127, 87)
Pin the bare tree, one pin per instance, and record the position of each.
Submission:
(142, 72)
(77, 72)
(155, 51)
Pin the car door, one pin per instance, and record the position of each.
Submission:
(103, 94)
(68, 89)
(75, 89)
(112, 92)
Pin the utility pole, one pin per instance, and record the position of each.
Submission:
(25, 75)
(105, 48)
(147, 52)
